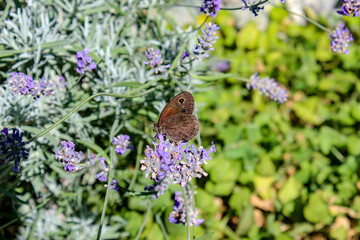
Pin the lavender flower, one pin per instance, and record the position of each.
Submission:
(102, 176)
(23, 84)
(85, 62)
(69, 157)
(172, 162)
(178, 215)
(221, 66)
(205, 42)
(341, 39)
(184, 55)
(156, 62)
(282, 1)
(268, 87)
(350, 8)
(122, 143)
(12, 148)
(210, 7)
(115, 185)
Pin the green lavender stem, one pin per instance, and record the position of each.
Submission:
(162, 226)
(137, 165)
(187, 213)
(306, 18)
(144, 221)
(112, 157)
(105, 203)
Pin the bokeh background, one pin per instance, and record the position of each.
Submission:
(281, 171)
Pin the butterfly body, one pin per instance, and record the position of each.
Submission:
(177, 121)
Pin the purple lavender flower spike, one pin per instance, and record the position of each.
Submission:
(341, 39)
(178, 215)
(350, 8)
(268, 87)
(155, 61)
(205, 42)
(210, 7)
(173, 162)
(122, 143)
(84, 61)
(69, 157)
(23, 84)
(12, 148)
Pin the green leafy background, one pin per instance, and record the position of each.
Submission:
(283, 171)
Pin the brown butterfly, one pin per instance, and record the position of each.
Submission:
(177, 121)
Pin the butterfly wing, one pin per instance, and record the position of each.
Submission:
(180, 127)
(183, 103)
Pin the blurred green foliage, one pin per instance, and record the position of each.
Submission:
(283, 171)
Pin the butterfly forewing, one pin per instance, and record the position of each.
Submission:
(182, 103)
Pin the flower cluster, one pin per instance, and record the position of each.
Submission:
(210, 7)
(205, 42)
(178, 215)
(12, 148)
(341, 39)
(84, 61)
(268, 87)
(350, 8)
(122, 143)
(23, 84)
(69, 157)
(156, 62)
(173, 162)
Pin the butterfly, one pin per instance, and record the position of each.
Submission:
(176, 120)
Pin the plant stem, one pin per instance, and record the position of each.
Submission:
(306, 18)
(112, 156)
(162, 227)
(105, 203)
(187, 212)
(144, 221)
(137, 164)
